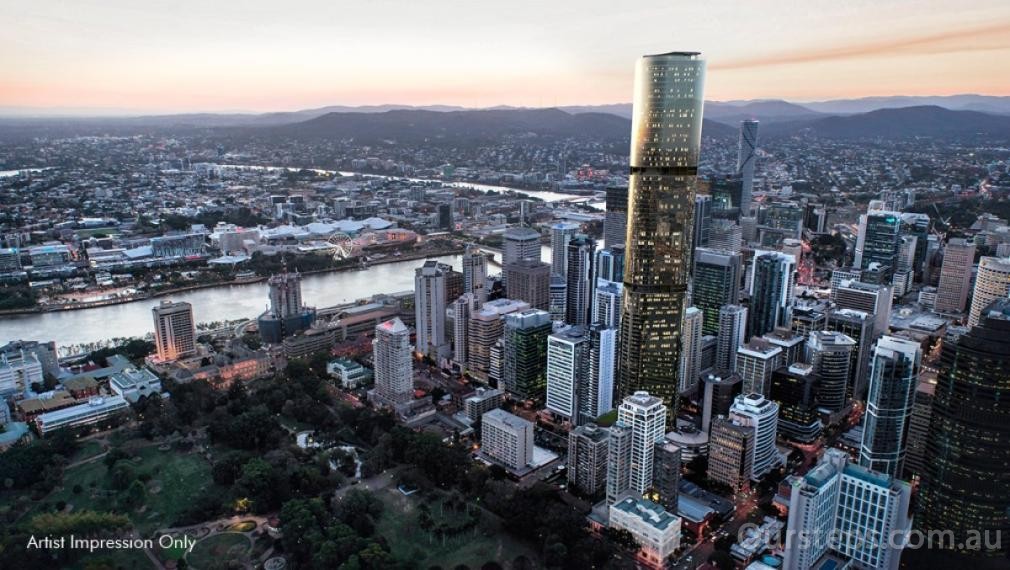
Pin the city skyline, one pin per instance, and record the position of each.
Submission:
(114, 58)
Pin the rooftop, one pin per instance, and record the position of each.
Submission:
(650, 512)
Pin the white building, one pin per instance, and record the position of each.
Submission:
(607, 303)
(755, 362)
(348, 372)
(991, 282)
(813, 500)
(133, 384)
(656, 531)
(567, 369)
(598, 390)
(429, 309)
(18, 371)
(690, 354)
(646, 416)
(561, 234)
(394, 373)
(761, 414)
(483, 401)
(507, 439)
(94, 411)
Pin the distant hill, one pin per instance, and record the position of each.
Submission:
(412, 125)
(982, 103)
(921, 121)
(767, 111)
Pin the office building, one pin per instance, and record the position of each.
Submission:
(445, 217)
(843, 274)
(726, 235)
(529, 280)
(716, 282)
(524, 373)
(872, 299)
(430, 303)
(720, 391)
(730, 453)
(807, 319)
(587, 458)
(506, 439)
(607, 303)
(567, 370)
(964, 484)
(746, 157)
(559, 296)
(561, 234)
(646, 416)
(860, 327)
(894, 376)
(703, 207)
(597, 394)
(794, 389)
(879, 241)
(918, 431)
(174, 331)
(830, 353)
(474, 273)
(520, 243)
(772, 279)
(580, 283)
(45, 353)
(690, 353)
(762, 415)
(610, 264)
(755, 362)
(731, 334)
(96, 410)
(955, 276)
(485, 328)
(615, 221)
(813, 504)
(394, 371)
(666, 137)
(991, 282)
(18, 372)
(793, 345)
(656, 531)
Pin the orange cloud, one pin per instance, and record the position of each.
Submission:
(988, 37)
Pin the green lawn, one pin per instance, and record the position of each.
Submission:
(398, 524)
(87, 451)
(218, 550)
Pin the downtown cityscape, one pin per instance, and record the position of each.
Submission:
(709, 328)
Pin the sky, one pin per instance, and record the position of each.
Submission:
(121, 56)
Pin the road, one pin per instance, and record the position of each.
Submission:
(746, 512)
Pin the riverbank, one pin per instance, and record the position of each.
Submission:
(245, 281)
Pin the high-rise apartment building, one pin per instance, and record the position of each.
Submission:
(474, 273)
(394, 372)
(894, 376)
(597, 394)
(587, 458)
(690, 354)
(567, 370)
(991, 282)
(174, 330)
(459, 313)
(772, 279)
(666, 143)
(731, 334)
(618, 461)
(646, 416)
(430, 303)
(525, 353)
(561, 234)
(507, 439)
(666, 473)
(607, 303)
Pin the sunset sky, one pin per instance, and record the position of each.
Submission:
(117, 56)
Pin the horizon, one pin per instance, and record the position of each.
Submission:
(117, 58)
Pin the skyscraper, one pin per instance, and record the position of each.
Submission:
(615, 221)
(646, 416)
(519, 243)
(690, 355)
(762, 415)
(965, 485)
(755, 362)
(992, 282)
(174, 331)
(732, 330)
(879, 241)
(730, 453)
(567, 371)
(746, 157)
(485, 329)
(474, 273)
(830, 353)
(579, 280)
(955, 276)
(871, 298)
(794, 388)
(771, 292)
(394, 374)
(561, 234)
(607, 303)
(610, 264)
(618, 461)
(525, 353)
(702, 220)
(286, 314)
(587, 458)
(529, 280)
(715, 282)
(597, 394)
(666, 141)
(429, 309)
(860, 327)
(894, 375)
(461, 310)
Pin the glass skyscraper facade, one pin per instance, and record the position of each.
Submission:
(665, 145)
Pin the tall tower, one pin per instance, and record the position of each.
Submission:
(894, 376)
(965, 486)
(285, 294)
(615, 222)
(174, 333)
(716, 282)
(474, 273)
(690, 356)
(746, 156)
(561, 234)
(991, 283)
(429, 308)
(665, 145)
(771, 292)
(646, 416)
(955, 276)
(579, 279)
(394, 375)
